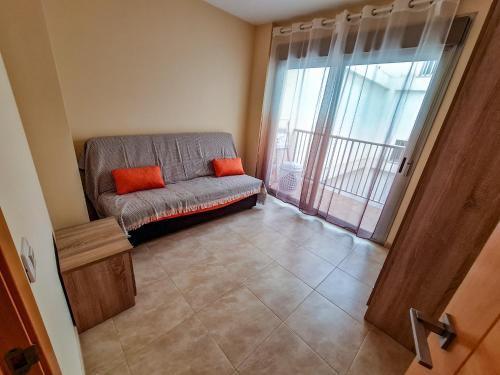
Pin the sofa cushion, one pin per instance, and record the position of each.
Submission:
(228, 167)
(184, 197)
(128, 180)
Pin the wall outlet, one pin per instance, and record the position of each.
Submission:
(28, 260)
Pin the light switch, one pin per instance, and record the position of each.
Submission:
(28, 260)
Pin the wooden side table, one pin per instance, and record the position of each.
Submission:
(97, 272)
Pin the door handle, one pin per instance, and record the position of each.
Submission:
(420, 323)
(402, 165)
(20, 361)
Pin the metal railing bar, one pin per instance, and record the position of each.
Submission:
(352, 139)
(353, 164)
(369, 170)
(303, 142)
(350, 162)
(389, 174)
(302, 135)
(329, 157)
(295, 148)
(341, 150)
(381, 175)
(377, 175)
(360, 170)
(364, 166)
(346, 164)
(330, 161)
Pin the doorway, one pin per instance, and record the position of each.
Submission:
(24, 343)
(376, 122)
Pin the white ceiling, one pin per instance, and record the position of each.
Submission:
(263, 11)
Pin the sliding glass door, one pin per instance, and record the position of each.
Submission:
(337, 153)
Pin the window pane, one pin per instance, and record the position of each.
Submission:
(380, 102)
(302, 96)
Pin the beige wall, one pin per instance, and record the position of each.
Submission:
(261, 48)
(26, 50)
(156, 66)
(22, 203)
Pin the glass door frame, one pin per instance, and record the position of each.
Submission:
(418, 138)
(416, 141)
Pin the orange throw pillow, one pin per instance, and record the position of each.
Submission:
(228, 167)
(128, 180)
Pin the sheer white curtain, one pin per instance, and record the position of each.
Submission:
(345, 96)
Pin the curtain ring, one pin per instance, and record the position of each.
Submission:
(323, 22)
(411, 5)
(348, 17)
(301, 27)
(373, 12)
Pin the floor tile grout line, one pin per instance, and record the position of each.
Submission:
(215, 342)
(193, 312)
(183, 294)
(171, 280)
(300, 278)
(208, 330)
(333, 302)
(354, 277)
(350, 315)
(269, 308)
(259, 345)
(239, 285)
(303, 340)
(297, 276)
(212, 302)
(337, 264)
(274, 261)
(326, 260)
(310, 347)
(357, 278)
(232, 290)
(121, 346)
(357, 353)
(157, 307)
(302, 281)
(112, 319)
(142, 347)
(223, 266)
(267, 336)
(283, 322)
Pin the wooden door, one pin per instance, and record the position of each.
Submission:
(475, 310)
(457, 202)
(21, 324)
(13, 335)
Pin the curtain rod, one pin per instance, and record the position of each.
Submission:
(386, 9)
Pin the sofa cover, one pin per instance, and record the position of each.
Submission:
(186, 163)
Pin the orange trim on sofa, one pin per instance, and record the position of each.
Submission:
(199, 210)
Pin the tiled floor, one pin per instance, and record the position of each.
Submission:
(265, 291)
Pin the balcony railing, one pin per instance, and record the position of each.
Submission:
(352, 166)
